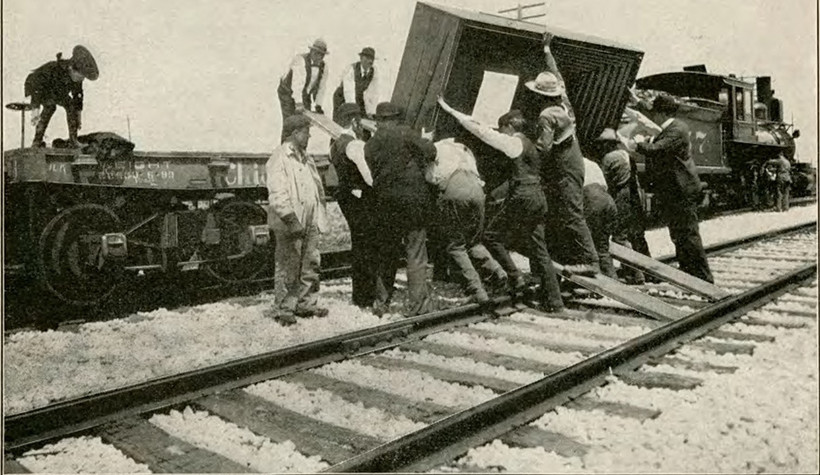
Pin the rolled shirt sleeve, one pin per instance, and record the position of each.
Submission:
(355, 153)
(511, 146)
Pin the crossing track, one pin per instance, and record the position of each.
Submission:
(443, 438)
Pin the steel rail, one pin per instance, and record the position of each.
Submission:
(443, 441)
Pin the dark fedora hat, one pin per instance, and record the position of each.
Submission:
(320, 45)
(294, 123)
(347, 110)
(387, 110)
(368, 52)
(664, 104)
(83, 62)
(508, 117)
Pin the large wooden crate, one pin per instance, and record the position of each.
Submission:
(449, 49)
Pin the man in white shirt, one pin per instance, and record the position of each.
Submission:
(461, 216)
(600, 214)
(302, 87)
(360, 85)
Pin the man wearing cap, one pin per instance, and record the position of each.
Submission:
(302, 87)
(360, 85)
(297, 216)
(397, 156)
(60, 83)
(620, 172)
(522, 217)
(671, 169)
(461, 216)
(354, 195)
(563, 169)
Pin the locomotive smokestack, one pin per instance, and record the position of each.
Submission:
(764, 90)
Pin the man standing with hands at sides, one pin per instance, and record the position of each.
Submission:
(677, 186)
(354, 197)
(302, 87)
(397, 156)
(297, 216)
(360, 85)
(525, 206)
(563, 168)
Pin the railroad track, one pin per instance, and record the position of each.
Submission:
(467, 376)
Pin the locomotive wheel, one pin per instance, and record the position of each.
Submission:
(70, 255)
(233, 218)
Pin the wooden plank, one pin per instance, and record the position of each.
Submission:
(761, 322)
(691, 365)
(426, 412)
(613, 289)
(311, 437)
(325, 123)
(163, 453)
(723, 348)
(495, 359)
(620, 409)
(467, 379)
(730, 335)
(653, 380)
(13, 466)
(557, 346)
(666, 272)
(530, 436)
(600, 317)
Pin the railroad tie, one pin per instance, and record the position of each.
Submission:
(530, 437)
(652, 380)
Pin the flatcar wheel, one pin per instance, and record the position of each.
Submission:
(233, 218)
(70, 255)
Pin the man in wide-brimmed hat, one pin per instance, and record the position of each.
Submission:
(359, 85)
(677, 186)
(60, 83)
(563, 171)
(354, 195)
(302, 87)
(397, 156)
(297, 216)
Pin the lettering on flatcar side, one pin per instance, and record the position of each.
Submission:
(58, 168)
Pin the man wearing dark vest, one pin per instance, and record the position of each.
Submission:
(670, 167)
(60, 83)
(563, 170)
(524, 209)
(354, 195)
(397, 156)
(302, 87)
(360, 85)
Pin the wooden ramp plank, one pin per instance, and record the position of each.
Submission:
(625, 294)
(325, 123)
(666, 272)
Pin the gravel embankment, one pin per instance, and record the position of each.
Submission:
(761, 418)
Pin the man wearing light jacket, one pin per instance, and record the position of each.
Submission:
(461, 216)
(297, 216)
(360, 85)
(302, 87)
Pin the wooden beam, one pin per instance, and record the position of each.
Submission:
(666, 272)
(625, 294)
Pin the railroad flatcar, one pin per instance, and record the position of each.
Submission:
(81, 221)
(735, 126)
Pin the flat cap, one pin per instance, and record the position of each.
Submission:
(320, 45)
(294, 123)
(369, 52)
(83, 62)
(387, 110)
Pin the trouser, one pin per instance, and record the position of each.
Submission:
(681, 216)
(288, 107)
(783, 192)
(72, 116)
(461, 222)
(299, 260)
(574, 241)
(629, 230)
(601, 216)
(392, 236)
(521, 220)
(358, 214)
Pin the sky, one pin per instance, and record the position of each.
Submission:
(201, 75)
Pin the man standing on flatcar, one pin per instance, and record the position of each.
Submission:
(677, 186)
(297, 216)
(306, 79)
(360, 85)
(397, 156)
(354, 197)
(523, 214)
(60, 83)
(563, 168)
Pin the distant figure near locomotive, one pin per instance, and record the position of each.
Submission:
(60, 83)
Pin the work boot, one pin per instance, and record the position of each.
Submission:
(308, 311)
(589, 270)
(282, 316)
(517, 284)
(480, 297)
(497, 284)
(39, 133)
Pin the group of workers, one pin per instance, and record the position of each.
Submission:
(397, 185)
(777, 183)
